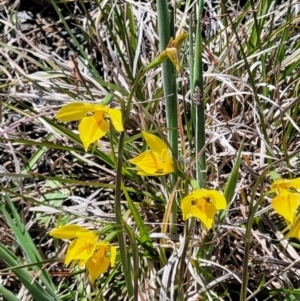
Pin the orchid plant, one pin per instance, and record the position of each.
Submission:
(85, 249)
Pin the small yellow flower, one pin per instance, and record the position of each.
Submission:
(203, 204)
(287, 200)
(172, 50)
(286, 204)
(91, 128)
(156, 161)
(86, 250)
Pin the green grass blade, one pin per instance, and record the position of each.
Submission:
(24, 240)
(7, 295)
(169, 86)
(144, 234)
(232, 182)
(36, 290)
(199, 103)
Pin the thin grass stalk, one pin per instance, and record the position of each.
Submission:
(168, 79)
(191, 65)
(251, 79)
(198, 102)
(196, 79)
(252, 210)
(278, 60)
(119, 220)
(91, 67)
(265, 9)
(118, 211)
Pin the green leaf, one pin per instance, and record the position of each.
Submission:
(274, 175)
(144, 234)
(231, 184)
(35, 289)
(7, 295)
(24, 241)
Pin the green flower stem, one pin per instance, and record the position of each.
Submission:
(252, 210)
(198, 104)
(198, 123)
(118, 211)
(168, 76)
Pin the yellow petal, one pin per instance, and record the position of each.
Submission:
(113, 254)
(89, 237)
(217, 199)
(92, 128)
(205, 212)
(115, 116)
(148, 162)
(286, 204)
(186, 207)
(156, 162)
(199, 208)
(101, 108)
(173, 56)
(97, 264)
(67, 231)
(295, 231)
(154, 143)
(179, 40)
(153, 164)
(74, 111)
(80, 250)
(168, 163)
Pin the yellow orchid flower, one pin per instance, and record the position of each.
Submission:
(86, 250)
(203, 204)
(156, 161)
(172, 50)
(91, 128)
(286, 204)
(287, 200)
